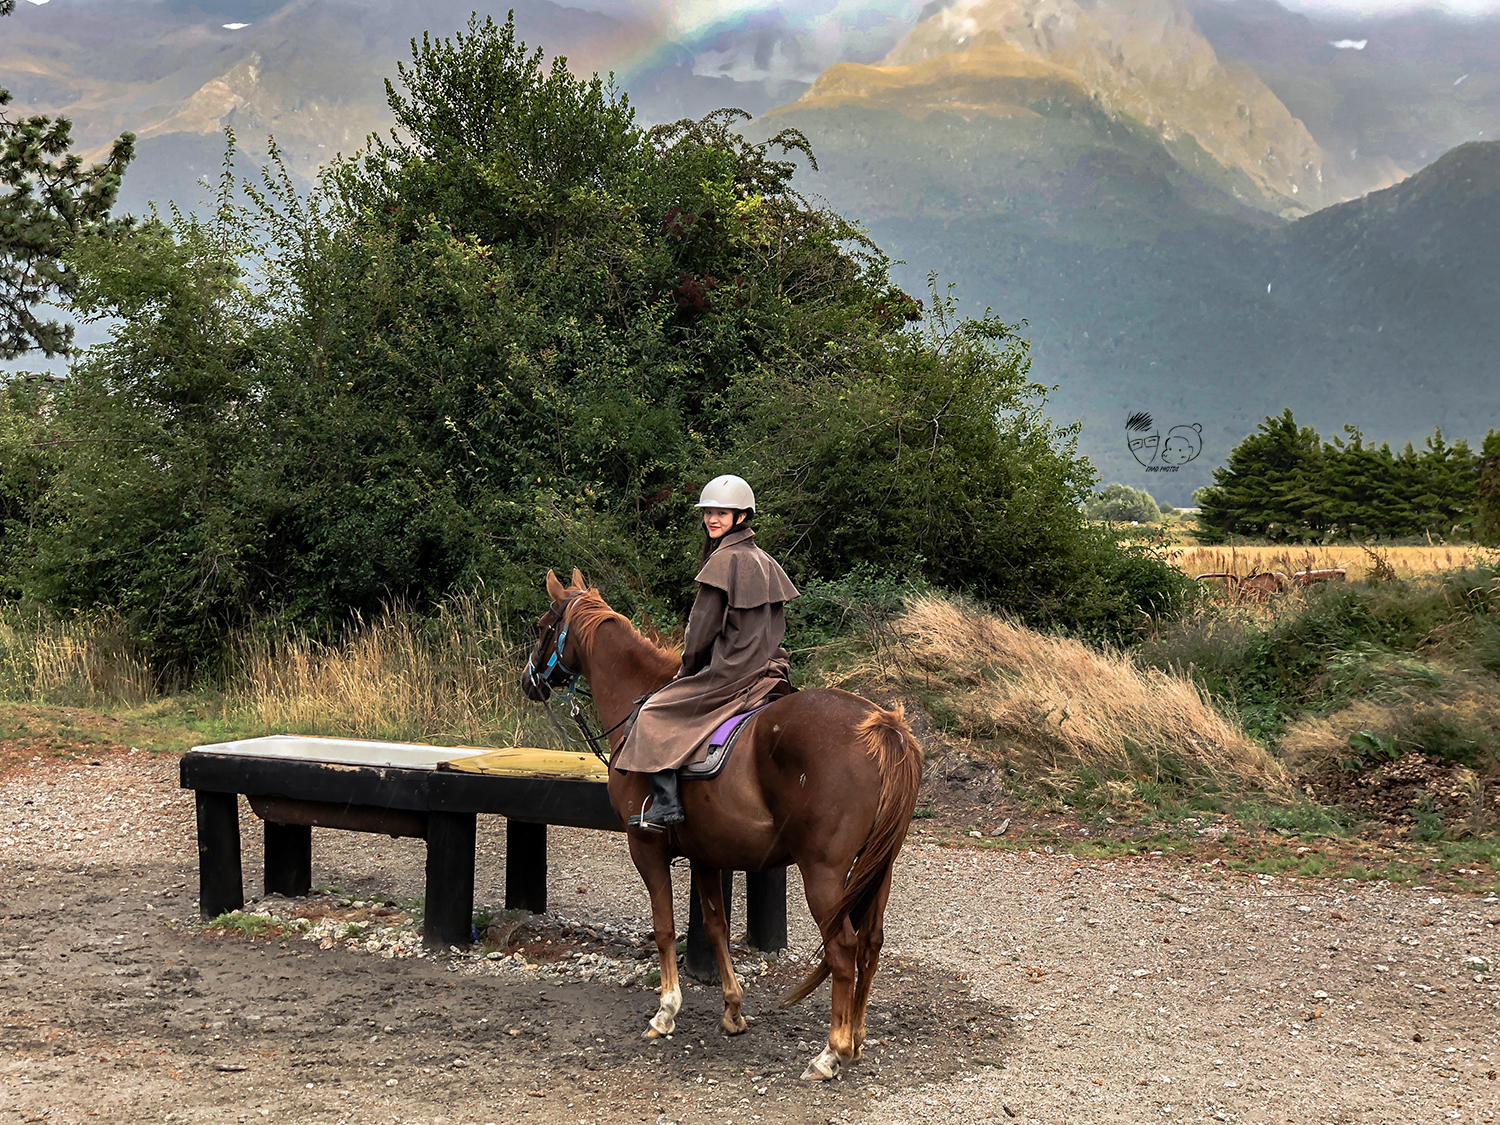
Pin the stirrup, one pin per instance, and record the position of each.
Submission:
(639, 820)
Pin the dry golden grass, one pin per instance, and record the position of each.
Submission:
(1407, 562)
(82, 659)
(1059, 707)
(1464, 705)
(449, 677)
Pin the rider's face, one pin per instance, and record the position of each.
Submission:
(717, 521)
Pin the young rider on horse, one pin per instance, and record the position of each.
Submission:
(732, 660)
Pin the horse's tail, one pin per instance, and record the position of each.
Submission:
(888, 740)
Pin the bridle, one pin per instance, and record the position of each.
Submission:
(547, 674)
(557, 676)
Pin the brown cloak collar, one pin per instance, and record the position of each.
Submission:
(747, 575)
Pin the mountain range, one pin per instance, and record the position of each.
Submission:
(1204, 211)
(1179, 242)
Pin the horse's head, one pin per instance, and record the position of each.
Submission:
(554, 659)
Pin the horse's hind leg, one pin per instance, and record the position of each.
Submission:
(824, 888)
(867, 960)
(716, 928)
(654, 864)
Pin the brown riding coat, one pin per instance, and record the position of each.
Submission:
(732, 658)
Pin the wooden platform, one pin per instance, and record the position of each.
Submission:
(297, 783)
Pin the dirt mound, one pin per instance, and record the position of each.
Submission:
(1429, 796)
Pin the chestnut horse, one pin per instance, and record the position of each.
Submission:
(822, 779)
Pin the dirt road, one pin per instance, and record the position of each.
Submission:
(1016, 987)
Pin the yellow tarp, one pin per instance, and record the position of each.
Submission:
(529, 761)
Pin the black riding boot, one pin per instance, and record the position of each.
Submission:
(666, 805)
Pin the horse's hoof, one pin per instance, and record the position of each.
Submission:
(652, 1033)
(733, 1028)
(822, 1068)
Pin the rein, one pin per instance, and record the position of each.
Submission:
(571, 691)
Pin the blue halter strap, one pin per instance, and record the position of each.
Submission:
(554, 661)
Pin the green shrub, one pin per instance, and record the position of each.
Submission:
(1119, 503)
(1329, 646)
(521, 333)
(862, 600)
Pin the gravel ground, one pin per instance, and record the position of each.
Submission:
(1016, 986)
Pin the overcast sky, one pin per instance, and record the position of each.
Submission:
(690, 15)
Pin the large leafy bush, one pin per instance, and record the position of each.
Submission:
(522, 332)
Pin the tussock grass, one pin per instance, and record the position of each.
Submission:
(1091, 724)
(452, 676)
(77, 660)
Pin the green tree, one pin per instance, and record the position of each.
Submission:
(1270, 486)
(1282, 484)
(47, 199)
(1441, 486)
(1487, 492)
(1361, 488)
(1119, 503)
(159, 509)
(29, 456)
(521, 333)
(929, 454)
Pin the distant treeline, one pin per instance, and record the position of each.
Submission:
(1284, 482)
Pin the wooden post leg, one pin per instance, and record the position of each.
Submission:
(448, 916)
(698, 960)
(765, 909)
(525, 866)
(219, 884)
(288, 868)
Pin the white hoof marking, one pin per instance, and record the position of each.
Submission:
(666, 1016)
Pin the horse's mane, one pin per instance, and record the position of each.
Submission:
(590, 611)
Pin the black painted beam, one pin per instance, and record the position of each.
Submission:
(525, 866)
(765, 909)
(220, 888)
(288, 859)
(448, 914)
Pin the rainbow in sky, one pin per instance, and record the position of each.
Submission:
(794, 41)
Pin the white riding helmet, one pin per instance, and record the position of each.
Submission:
(728, 491)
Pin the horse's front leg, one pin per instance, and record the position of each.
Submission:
(654, 863)
(716, 928)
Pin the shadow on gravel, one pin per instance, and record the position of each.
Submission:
(114, 1008)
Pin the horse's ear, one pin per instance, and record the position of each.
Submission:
(578, 582)
(555, 589)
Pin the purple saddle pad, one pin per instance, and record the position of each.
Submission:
(728, 726)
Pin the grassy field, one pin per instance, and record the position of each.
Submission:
(1358, 562)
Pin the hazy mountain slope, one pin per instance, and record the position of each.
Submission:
(1383, 312)
(1045, 156)
(308, 71)
(994, 133)
(311, 72)
(1145, 60)
(1421, 83)
(1415, 263)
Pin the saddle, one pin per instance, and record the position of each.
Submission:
(719, 745)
